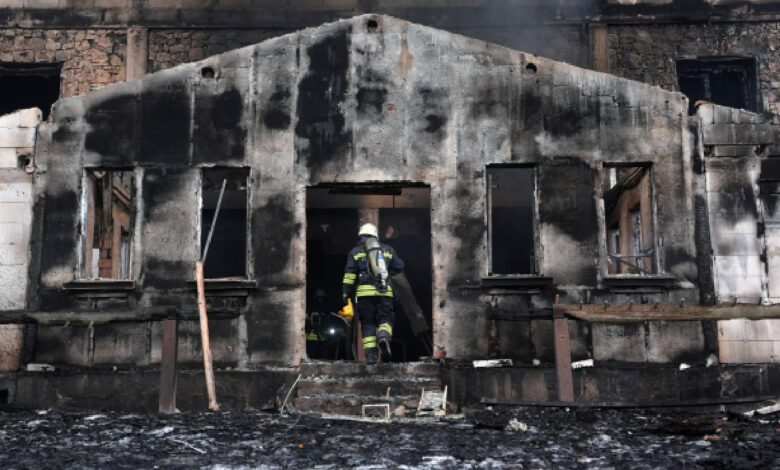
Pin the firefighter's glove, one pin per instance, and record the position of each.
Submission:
(347, 312)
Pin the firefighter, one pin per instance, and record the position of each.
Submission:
(367, 279)
(326, 332)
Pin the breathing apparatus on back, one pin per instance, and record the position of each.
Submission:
(376, 259)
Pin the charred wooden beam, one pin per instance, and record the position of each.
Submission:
(668, 312)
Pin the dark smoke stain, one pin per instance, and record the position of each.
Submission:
(770, 169)
(675, 256)
(469, 230)
(63, 131)
(434, 110)
(770, 202)
(59, 230)
(166, 274)
(268, 333)
(112, 132)
(370, 101)
(219, 133)
(571, 207)
(565, 122)
(320, 94)
(736, 199)
(274, 227)
(160, 184)
(703, 251)
(165, 125)
(52, 299)
(276, 113)
(770, 185)
(489, 101)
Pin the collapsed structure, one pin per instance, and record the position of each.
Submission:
(506, 181)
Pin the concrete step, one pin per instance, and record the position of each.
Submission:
(369, 385)
(352, 404)
(360, 369)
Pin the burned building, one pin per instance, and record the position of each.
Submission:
(531, 198)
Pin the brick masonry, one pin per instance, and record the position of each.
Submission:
(647, 52)
(89, 57)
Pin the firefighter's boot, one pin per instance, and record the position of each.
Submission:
(369, 347)
(384, 337)
(371, 356)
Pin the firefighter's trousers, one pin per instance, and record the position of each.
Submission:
(376, 319)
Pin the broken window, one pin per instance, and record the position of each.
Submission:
(227, 256)
(725, 81)
(29, 85)
(628, 214)
(511, 209)
(107, 221)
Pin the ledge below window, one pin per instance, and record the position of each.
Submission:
(648, 281)
(517, 282)
(100, 288)
(227, 287)
(100, 284)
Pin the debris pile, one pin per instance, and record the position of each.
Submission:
(488, 438)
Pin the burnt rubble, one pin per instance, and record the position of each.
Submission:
(544, 438)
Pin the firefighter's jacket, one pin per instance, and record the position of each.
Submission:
(359, 281)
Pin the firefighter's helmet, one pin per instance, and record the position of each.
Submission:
(369, 230)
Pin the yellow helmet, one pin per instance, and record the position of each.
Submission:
(369, 229)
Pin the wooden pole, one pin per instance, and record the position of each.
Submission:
(204, 336)
(562, 354)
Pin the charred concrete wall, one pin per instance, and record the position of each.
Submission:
(740, 167)
(17, 140)
(367, 99)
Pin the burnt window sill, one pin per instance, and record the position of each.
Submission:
(100, 288)
(229, 287)
(100, 285)
(520, 281)
(640, 281)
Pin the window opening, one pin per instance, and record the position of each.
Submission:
(106, 233)
(29, 85)
(724, 81)
(628, 211)
(511, 208)
(228, 250)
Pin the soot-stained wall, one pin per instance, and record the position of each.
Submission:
(372, 98)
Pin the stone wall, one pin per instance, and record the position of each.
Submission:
(89, 57)
(647, 52)
(169, 47)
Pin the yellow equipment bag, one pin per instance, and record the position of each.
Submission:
(347, 312)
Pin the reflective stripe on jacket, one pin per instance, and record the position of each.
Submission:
(357, 274)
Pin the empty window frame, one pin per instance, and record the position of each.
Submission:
(227, 255)
(511, 207)
(108, 215)
(24, 85)
(629, 219)
(720, 80)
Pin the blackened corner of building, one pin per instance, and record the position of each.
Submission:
(449, 144)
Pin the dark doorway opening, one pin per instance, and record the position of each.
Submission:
(29, 85)
(402, 214)
(721, 80)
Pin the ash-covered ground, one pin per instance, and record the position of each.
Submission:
(490, 438)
